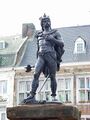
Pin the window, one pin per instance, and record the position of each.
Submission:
(3, 116)
(24, 89)
(64, 89)
(64, 96)
(67, 83)
(80, 46)
(45, 93)
(68, 96)
(41, 96)
(3, 113)
(3, 87)
(82, 95)
(40, 85)
(88, 94)
(84, 89)
(47, 96)
(22, 86)
(47, 85)
(2, 44)
(88, 82)
(61, 84)
(28, 85)
(21, 97)
(82, 82)
(61, 96)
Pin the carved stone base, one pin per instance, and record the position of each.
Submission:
(43, 112)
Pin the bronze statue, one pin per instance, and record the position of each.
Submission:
(49, 53)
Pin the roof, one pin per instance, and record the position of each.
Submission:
(21, 52)
(69, 35)
(8, 55)
(29, 57)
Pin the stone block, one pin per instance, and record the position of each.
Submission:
(43, 112)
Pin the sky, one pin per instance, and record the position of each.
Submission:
(63, 13)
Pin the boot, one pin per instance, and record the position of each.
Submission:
(29, 99)
(31, 96)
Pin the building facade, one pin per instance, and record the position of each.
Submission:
(73, 79)
(73, 87)
(6, 90)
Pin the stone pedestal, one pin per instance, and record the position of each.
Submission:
(43, 112)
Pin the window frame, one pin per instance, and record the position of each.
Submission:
(78, 43)
(3, 84)
(2, 43)
(3, 111)
(86, 89)
(24, 91)
(64, 90)
(46, 90)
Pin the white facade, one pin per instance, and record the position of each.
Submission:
(6, 90)
(15, 85)
(64, 88)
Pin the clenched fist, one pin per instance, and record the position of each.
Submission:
(49, 37)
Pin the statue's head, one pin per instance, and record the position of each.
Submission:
(45, 21)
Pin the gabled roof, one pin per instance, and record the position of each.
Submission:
(69, 35)
(29, 57)
(8, 55)
(21, 52)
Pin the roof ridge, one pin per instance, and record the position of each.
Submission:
(74, 26)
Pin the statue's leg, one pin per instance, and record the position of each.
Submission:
(53, 85)
(52, 65)
(38, 69)
(35, 83)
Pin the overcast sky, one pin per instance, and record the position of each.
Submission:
(63, 13)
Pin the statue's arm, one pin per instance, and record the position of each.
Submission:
(56, 38)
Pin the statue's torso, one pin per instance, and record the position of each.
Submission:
(46, 45)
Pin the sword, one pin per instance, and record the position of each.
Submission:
(44, 83)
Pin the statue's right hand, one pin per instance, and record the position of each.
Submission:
(28, 68)
(49, 37)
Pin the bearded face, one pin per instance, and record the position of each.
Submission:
(46, 23)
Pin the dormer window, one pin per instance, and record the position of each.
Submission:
(2, 44)
(80, 46)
